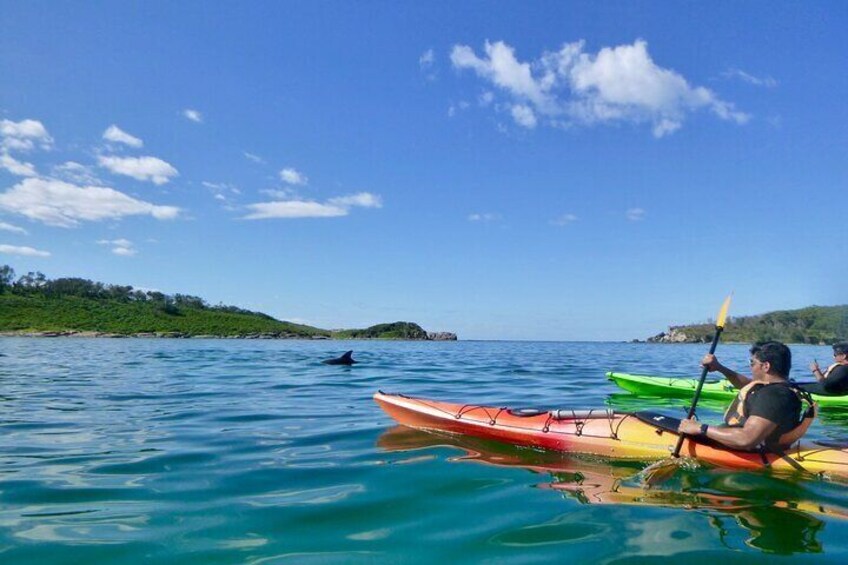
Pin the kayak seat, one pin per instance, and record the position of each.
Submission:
(658, 420)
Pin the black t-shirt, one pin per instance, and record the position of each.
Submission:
(835, 384)
(777, 403)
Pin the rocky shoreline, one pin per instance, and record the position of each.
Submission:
(434, 336)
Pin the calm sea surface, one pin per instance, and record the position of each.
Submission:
(217, 451)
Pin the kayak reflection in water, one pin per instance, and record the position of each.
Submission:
(776, 516)
(767, 410)
(834, 380)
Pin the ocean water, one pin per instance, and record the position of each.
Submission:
(231, 451)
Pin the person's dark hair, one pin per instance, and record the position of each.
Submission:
(840, 348)
(775, 354)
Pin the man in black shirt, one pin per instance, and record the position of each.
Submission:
(833, 381)
(766, 407)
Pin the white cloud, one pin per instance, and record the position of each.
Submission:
(296, 208)
(221, 187)
(122, 247)
(361, 199)
(58, 203)
(76, 173)
(767, 81)
(116, 135)
(193, 115)
(254, 158)
(618, 84)
(140, 168)
(564, 220)
(292, 176)
(16, 167)
(280, 194)
(524, 116)
(23, 135)
(635, 214)
(483, 217)
(501, 68)
(427, 59)
(23, 250)
(9, 227)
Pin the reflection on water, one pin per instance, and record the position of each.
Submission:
(777, 515)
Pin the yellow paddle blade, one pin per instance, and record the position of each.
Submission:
(722, 314)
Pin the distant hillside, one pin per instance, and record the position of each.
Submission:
(815, 324)
(35, 305)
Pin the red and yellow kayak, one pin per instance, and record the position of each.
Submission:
(641, 436)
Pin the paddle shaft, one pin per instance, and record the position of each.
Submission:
(698, 390)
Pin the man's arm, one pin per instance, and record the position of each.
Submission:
(736, 379)
(752, 434)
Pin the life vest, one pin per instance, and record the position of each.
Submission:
(735, 415)
(829, 369)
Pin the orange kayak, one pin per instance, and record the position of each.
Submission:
(641, 436)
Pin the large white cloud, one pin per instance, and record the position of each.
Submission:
(23, 135)
(570, 86)
(58, 203)
(116, 135)
(23, 250)
(147, 168)
(296, 208)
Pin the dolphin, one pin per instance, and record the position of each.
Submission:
(346, 359)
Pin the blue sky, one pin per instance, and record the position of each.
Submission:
(543, 170)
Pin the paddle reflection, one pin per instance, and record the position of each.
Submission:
(777, 515)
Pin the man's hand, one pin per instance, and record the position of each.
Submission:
(710, 362)
(689, 427)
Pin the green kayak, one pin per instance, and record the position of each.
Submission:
(684, 387)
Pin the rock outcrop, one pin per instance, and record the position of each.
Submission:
(673, 335)
(441, 336)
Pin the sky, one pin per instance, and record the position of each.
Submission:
(501, 170)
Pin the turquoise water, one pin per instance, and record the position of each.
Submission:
(218, 451)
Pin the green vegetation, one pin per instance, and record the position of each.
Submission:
(34, 304)
(397, 330)
(815, 324)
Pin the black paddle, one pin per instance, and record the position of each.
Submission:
(662, 469)
(719, 327)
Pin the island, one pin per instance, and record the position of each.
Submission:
(33, 305)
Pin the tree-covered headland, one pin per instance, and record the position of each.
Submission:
(33, 304)
(821, 325)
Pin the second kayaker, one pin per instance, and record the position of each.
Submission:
(833, 381)
(767, 409)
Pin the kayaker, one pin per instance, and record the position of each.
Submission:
(834, 380)
(767, 409)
